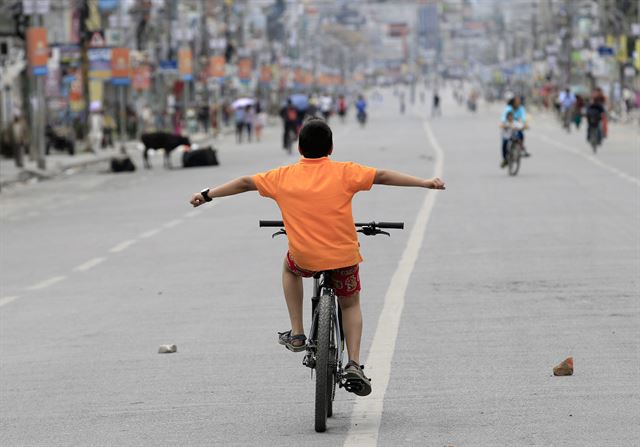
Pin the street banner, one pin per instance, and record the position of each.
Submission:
(622, 49)
(99, 63)
(284, 78)
(76, 100)
(244, 69)
(216, 67)
(30, 7)
(326, 80)
(185, 67)
(120, 66)
(96, 95)
(107, 5)
(37, 50)
(637, 58)
(308, 77)
(265, 73)
(141, 77)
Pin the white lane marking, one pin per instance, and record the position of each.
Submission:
(193, 213)
(88, 265)
(150, 233)
(172, 223)
(593, 159)
(46, 283)
(7, 299)
(367, 413)
(122, 246)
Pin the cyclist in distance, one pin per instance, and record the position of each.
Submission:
(342, 107)
(515, 106)
(361, 107)
(507, 127)
(596, 115)
(314, 196)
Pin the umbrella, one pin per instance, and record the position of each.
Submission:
(242, 102)
(300, 101)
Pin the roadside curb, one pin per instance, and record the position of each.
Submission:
(28, 174)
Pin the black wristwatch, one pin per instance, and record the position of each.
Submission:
(205, 195)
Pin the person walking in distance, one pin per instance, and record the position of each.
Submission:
(20, 137)
(240, 116)
(435, 108)
(260, 120)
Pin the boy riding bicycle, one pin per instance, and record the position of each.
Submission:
(314, 196)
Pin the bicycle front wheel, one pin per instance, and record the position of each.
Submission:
(514, 157)
(324, 374)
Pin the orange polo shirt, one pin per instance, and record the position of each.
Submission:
(314, 196)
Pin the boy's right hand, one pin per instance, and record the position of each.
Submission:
(435, 183)
(197, 199)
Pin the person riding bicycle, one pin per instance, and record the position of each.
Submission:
(361, 107)
(596, 115)
(515, 106)
(314, 196)
(507, 127)
(342, 107)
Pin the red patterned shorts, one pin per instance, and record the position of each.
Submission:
(346, 281)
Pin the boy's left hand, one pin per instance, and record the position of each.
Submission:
(435, 183)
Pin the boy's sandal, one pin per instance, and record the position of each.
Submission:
(355, 381)
(294, 343)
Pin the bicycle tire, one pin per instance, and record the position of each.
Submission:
(323, 373)
(593, 140)
(514, 158)
(331, 383)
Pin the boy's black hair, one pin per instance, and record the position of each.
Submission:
(316, 139)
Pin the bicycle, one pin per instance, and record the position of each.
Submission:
(515, 149)
(325, 345)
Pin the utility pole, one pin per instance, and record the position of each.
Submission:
(37, 110)
(121, 93)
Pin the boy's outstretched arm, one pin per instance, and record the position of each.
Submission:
(393, 178)
(241, 184)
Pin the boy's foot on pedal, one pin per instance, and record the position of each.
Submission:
(355, 380)
(295, 343)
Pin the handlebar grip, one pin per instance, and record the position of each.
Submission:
(271, 223)
(396, 225)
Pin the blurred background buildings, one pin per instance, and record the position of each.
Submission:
(147, 64)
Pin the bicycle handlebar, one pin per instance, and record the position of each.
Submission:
(391, 225)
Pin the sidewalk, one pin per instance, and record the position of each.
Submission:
(58, 162)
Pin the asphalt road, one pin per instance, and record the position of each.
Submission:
(512, 275)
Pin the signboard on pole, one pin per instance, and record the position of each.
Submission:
(216, 67)
(30, 7)
(185, 67)
(76, 100)
(99, 63)
(120, 67)
(141, 77)
(265, 73)
(244, 69)
(37, 50)
(622, 49)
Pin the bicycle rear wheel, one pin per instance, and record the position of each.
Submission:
(514, 157)
(324, 373)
